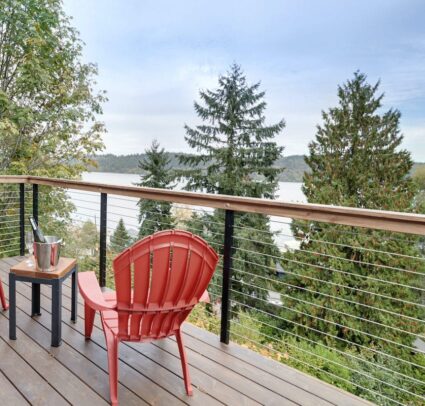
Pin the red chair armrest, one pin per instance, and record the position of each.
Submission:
(205, 297)
(91, 293)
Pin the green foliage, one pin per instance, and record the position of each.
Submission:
(120, 239)
(82, 241)
(355, 160)
(47, 102)
(48, 107)
(236, 154)
(419, 177)
(155, 215)
(346, 290)
(9, 219)
(419, 180)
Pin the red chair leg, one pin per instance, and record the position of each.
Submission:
(89, 314)
(3, 298)
(183, 360)
(112, 346)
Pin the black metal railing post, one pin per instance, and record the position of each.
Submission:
(35, 202)
(22, 219)
(227, 276)
(102, 242)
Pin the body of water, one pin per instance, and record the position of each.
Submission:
(88, 204)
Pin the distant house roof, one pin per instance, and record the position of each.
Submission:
(279, 270)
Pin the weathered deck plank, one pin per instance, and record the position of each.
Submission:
(9, 395)
(76, 372)
(63, 380)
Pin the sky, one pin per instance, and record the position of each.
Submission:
(154, 57)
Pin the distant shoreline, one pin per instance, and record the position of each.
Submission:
(294, 165)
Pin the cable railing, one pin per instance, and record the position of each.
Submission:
(336, 292)
(11, 215)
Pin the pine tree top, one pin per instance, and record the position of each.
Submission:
(356, 158)
(234, 142)
(120, 239)
(156, 168)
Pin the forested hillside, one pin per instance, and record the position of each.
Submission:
(294, 165)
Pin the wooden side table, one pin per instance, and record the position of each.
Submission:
(26, 273)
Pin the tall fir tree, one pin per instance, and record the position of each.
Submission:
(345, 290)
(235, 155)
(156, 173)
(120, 239)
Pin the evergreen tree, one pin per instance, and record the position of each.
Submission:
(120, 239)
(235, 155)
(419, 179)
(155, 215)
(344, 283)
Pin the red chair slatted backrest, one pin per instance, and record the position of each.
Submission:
(158, 281)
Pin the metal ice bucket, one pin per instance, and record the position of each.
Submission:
(47, 254)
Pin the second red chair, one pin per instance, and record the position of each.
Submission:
(3, 297)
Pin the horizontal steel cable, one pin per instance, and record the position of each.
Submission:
(88, 208)
(339, 338)
(10, 228)
(85, 193)
(392, 268)
(283, 258)
(319, 369)
(13, 250)
(277, 232)
(10, 239)
(388, 370)
(329, 282)
(12, 233)
(10, 221)
(329, 360)
(338, 311)
(209, 242)
(335, 324)
(336, 297)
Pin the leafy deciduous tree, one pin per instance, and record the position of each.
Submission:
(48, 105)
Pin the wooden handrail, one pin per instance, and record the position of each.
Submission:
(374, 219)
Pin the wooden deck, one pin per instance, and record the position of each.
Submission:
(33, 372)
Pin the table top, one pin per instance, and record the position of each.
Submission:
(64, 266)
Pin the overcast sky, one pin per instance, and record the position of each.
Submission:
(154, 56)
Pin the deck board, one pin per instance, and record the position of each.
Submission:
(76, 372)
(9, 395)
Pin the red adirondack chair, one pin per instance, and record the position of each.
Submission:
(3, 297)
(158, 281)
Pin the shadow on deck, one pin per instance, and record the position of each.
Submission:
(31, 371)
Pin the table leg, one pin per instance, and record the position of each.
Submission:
(74, 296)
(56, 312)
(35, 298)
(12, 306)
